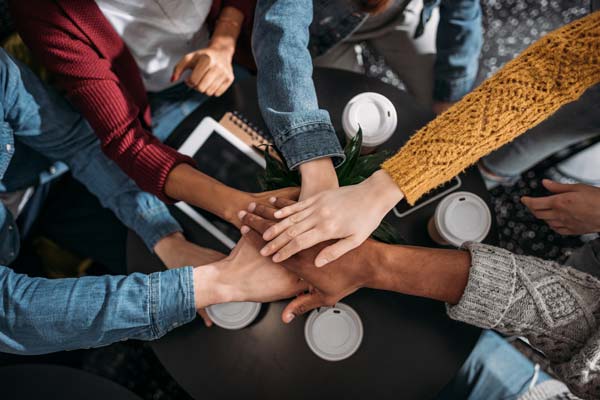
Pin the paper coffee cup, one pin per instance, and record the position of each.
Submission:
(375, 114)
(235, 315)
(334, 333)
(460, 217)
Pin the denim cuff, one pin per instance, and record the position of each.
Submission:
(154, 225)
(310, 142)
(451, 90)
(171, 300)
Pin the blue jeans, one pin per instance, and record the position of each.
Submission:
(495, 370)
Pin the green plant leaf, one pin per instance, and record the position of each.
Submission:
(352, 152)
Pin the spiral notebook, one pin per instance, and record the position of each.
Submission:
(249, 133)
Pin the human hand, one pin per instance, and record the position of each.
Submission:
(175, 252)
(441, 106)
(244, 275)
(350, 213)
(238, 200)
(572, 210)
(211, 69)
(317, 176)
(328, 285)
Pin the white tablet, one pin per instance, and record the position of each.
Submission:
(225, 157)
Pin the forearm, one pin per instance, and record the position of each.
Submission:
(495, 113)
(41, 316)
(432, 273)
(227, 29)
(286, 92)
(194, 187)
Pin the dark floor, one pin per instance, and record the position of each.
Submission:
(511, 25)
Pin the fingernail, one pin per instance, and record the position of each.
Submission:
(251, 206)
(244, 229)
(272, 200)
(320, 262)
(278, 214)
(267, 235)
(242, 214)
(289, 318)
(264, 251)
(276, 258)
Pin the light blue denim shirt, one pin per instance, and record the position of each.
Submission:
(37, 123)
(39, 315)
(286, 32)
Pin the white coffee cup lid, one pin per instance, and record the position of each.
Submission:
(463, 217)
(374, 113)
(334, 333)
(235, 315)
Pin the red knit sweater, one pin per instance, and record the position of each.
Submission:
(90, 61)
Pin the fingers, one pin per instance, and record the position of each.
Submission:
(262, 210)
(223, 88)
(200, 67)
(538, 203)
(207, 321)
(300, 305)
(287, 236)
(255, 222)
(216, 84)
(282, 226)
(556, 187)
(294, 208)
(207, 80)
(281, 202)
(545, 214)
(297, 244)
(336, 250)
(253, 237)
(181, 66)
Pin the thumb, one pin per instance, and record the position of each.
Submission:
(336, 250)
(300, 305)
(181, 66)
(556, 187)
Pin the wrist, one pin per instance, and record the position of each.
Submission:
(383, 190)
(224, 45)
(318, 175)
(210, 287)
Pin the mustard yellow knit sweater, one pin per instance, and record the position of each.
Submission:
(555, 70)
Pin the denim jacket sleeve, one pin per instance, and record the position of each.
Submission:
(286, 91)
(41, 119)
(91, 311)
(459, 40)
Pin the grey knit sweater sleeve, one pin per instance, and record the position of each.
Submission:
(556, 307)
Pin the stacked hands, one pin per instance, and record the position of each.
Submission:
(285, 242)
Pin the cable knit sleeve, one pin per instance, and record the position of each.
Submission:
(556, 307)
(555, 70)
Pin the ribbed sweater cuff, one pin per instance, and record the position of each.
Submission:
(490, 289)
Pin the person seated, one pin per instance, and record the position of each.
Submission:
(39, 315)
(556, 307)
(554, 71)
(433, 46)
(135, 70)
(304, 133)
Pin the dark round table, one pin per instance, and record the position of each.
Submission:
(40, 381)
(410, 349)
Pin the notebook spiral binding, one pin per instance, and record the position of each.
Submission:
(248, 127)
